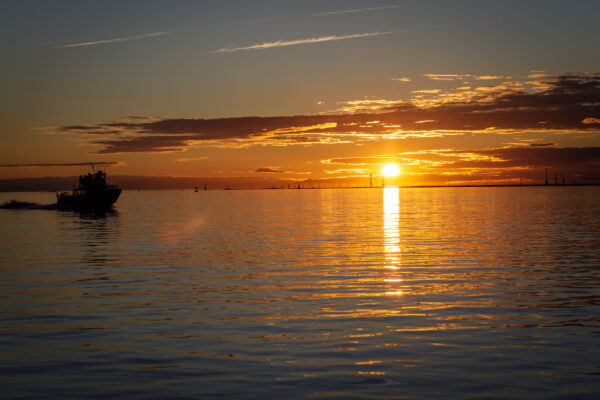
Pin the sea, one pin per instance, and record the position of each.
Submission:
(383, 293)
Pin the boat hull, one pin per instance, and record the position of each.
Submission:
(100, 198)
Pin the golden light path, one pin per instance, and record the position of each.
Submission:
(391, 236)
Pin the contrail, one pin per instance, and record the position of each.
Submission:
(123, 39)
(279, 43)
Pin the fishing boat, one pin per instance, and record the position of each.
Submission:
(92, 192)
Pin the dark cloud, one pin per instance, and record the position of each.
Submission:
(566, 103)
(80, 128)
(145, 144)
(555, 157)
(139, 117)
(268, 169)
(96, 163)
(541, 144)
(222, 128)
(572, 164)
(90, 130)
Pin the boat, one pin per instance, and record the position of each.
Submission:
(92, 192)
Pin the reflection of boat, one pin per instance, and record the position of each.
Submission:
(93, 192)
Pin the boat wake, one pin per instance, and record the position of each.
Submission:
(25, 205)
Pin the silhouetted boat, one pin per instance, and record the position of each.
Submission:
(93, 192)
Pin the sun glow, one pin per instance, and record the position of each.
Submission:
(390, 170)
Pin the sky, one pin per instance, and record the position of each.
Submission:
(455, 92)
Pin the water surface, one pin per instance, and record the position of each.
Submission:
(350, 293)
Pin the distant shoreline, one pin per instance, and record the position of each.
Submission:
(306, 187)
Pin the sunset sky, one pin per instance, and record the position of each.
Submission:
(450, 91)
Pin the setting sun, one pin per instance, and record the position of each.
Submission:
(390, 170)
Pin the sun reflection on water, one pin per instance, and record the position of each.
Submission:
(391, 236)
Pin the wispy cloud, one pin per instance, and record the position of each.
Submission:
(446, 77)
(280, 43)
(191, 159)
(538, 76)
(427, 91)
(355, 171)
(354, 11)
(115, 40)
(80, 164)
(489, 77)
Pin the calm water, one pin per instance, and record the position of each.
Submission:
(447, 293)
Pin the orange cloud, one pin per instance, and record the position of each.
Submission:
(564, 103)
(591, 120)
(427, 91)
(191, 159)
(538, 75)
(489, 77)
(446, 77)
(352, 171)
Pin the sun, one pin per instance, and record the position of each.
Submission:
(390, 170)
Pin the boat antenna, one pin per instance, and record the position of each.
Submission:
(93, 170)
